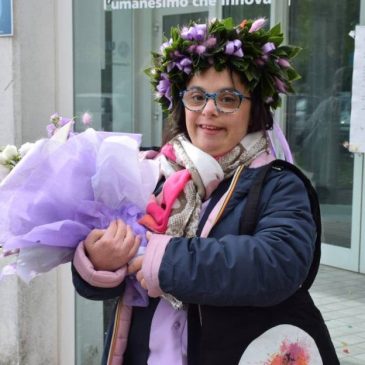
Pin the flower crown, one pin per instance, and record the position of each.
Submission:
(247, 49)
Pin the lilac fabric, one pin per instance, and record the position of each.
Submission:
(279, 145)
(168, 336)
(61, 191)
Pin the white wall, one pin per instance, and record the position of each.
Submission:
(36, 321)
(30, 84)
(28, 317)
(7, 129)
(34, 64)
(9, 322)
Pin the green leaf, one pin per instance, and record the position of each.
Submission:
(228, 23)
(291, 51)
(277, 40)
(249, 75)
(276, 30)
(293, 74)
(294, 51)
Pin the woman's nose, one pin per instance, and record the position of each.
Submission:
(210, 107)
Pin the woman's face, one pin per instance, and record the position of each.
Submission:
(214, 132)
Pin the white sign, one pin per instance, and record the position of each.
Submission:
(6, 18)
(357, 126)
(157, 4)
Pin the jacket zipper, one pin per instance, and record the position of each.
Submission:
(115, 332)
(227, 195)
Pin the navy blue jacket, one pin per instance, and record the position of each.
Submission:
(229, 269)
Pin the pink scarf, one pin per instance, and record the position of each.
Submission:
(191, 176)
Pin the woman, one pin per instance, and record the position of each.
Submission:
(215, 295)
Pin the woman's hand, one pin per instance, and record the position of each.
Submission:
(135, 267)
(110, 249)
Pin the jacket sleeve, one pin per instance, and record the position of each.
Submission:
(94, 284)
(228, 269)
(89, 291)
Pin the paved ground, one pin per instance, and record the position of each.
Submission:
(340, 295)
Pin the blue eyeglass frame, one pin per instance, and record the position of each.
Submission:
(213, 96)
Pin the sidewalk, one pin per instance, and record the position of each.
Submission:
(340, 295)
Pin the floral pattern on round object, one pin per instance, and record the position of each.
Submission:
(282, 345)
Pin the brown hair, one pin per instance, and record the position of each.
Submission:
(260, 115)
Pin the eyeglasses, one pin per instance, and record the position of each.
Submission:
(226, 100)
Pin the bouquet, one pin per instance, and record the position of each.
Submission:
(65, 186)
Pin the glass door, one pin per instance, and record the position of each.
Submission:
(361, 196)
(103, 63)
(318, 120)
(362, 220)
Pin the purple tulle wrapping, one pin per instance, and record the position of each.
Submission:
(62, 190)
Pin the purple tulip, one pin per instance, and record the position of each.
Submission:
(51, 128)
(57, 122)
(268, 47)
(283, 62)
(165, 45)
(280, 85)
(210, 42)
(201, 30)
(86, 119)
(164, 88)
(170, 66)
(234, 48)
(63, 121)
(192, 48)
(177, 54)
(54, 118)
(260, 62)
(200, 49)
(182, 63)
(257, 24)
(185, 33)
(195, 33)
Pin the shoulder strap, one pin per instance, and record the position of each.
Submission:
(249, 216)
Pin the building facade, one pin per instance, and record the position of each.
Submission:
(89, 55)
